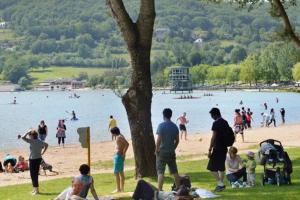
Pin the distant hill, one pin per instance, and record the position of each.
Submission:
(82, 32)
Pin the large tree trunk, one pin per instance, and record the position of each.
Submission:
(137, 102)
(138, 98)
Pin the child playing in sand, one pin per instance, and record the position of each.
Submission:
(21, 165)
(250, 168)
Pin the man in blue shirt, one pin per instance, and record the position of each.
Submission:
(166, 144)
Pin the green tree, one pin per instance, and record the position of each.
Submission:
(84, 51)
(237, 54)
(15, 68)
(233, 74)
(194, 58)
(296, 72)
(287, 57)
(199, 73)
(24, 82)
(249, 69)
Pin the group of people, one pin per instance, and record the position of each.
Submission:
(269, 118)
(11, 165)
(42, 131)
(219, 161)
(242, 120)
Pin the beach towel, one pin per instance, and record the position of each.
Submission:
(205, 194)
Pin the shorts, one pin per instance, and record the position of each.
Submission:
(217, 160)
(239, 129)
(182, 127)
(118, 163)
(166, 159)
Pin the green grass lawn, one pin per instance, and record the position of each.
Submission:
(200, 177)
(62, 72)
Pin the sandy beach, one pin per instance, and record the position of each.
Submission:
(67, 160)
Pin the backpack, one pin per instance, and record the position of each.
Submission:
(185, 181)
(228, 136)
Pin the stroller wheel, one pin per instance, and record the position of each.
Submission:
(289, 181)
(262, 179)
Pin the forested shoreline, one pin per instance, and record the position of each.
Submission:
(220, 43)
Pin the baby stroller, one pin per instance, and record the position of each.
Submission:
(276, 162)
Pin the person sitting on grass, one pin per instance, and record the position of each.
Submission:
(234, 172)
(119, 158)
(83, 183)
(72, 193)
(88, 182)
(22, 164)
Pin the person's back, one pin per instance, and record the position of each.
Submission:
(87, 181)
(238, 119)
(219, 126)
(168, 132)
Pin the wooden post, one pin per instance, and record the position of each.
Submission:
(89, 146)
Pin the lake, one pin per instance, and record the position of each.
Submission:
(94, 107)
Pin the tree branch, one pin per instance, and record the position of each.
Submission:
(128, 28)
(145, 22)
(288, 29)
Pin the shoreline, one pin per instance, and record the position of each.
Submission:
(63, 159)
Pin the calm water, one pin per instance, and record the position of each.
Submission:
(93, 109)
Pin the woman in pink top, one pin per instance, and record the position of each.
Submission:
(235, 168)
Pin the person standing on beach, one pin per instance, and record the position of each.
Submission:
(166, 144)
(61, 132)
(272, 113)
(112, 123)
(119, 158)
(42, 130)
(182, 125)
(238, 124)
(37, 149)
(282, 113)
(217, 150)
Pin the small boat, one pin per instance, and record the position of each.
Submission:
(190, 97)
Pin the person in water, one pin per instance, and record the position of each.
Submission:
(74, 116)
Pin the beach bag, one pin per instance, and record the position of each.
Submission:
(228, 136)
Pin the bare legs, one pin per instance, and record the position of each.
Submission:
(219, 176)
(160, 180)
(183, 133)
(120, 180)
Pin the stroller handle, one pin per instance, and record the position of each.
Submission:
(271, 141)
